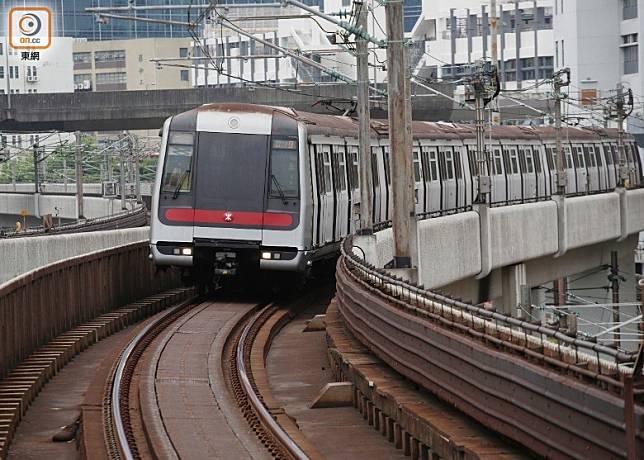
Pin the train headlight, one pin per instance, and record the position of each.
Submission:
(186, 251)
(266, 255)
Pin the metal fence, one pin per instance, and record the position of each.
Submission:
(38, 306)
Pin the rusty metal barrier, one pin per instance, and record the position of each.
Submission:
(38, 306)
(128, 219)
(509, 378)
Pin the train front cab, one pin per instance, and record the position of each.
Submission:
(229, 196)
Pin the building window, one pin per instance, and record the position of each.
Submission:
(346, 3)
(109, 56)
(185, 75)
(183, 52)
(111, 78)
(140, 58)
(83, 82)
(563, 54)
(629, 10)
(557, 53)
(13, 71)
(82, 58)
(1, 71)
(631, 62)
(1, 48)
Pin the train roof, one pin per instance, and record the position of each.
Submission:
(337, 125)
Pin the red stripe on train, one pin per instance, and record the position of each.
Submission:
(209, 216)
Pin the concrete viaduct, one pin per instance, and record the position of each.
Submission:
(490, 253)
(131, 110)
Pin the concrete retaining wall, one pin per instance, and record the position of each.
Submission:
(522, 232)
(451, 250)
(13, 203)
(454, 239)
(593, 219)
(20, 255)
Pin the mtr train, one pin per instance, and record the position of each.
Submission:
(249, 187)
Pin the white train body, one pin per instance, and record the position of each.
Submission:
(269, 188)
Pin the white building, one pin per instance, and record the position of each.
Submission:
(243, 60)
(451, 34)
(52, 72)
(599, 41)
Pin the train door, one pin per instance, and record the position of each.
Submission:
(448, 178)
(459, 175)
(609, 166)
(571, 176)
(429, 156)
(386, 162)
(315, 182)
(540, 171)
(377, 189)
(497, 175)
(581, 171)
(469, 175)
(512, 174)
(419, 183)
(550, 169)
(341, 218)
(325, 194)
(353, 186)
(592, 178)
(529, 182)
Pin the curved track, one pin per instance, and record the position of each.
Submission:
(177, 337)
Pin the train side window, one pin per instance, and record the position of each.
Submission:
(497, 162)
(433, 164)
(342, 171)
(569, 161)
(458, 167)
(178, 162)
(529, 161)
(449, 163)
(608, 154)
(319, 160)
(374, 169)
(424, 156)
(589, 156)
(522, 160)
(327, 172)
(549, 158)
(579, 156)
(352, 160)
(514, 165)
(387, 166)
(537, 159)
(416, 165)
(598, 154)
(615, 153)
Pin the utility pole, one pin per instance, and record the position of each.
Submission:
(65, 170)
(561, 165)
(482, 88)
(402, 184)
(122, 171)
(614, 287)
(494, 34)
(364, 119)
(79, 176)
(36, 180)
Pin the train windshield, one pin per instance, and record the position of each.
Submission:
(231, 171)
(178, 163)
(284, 181)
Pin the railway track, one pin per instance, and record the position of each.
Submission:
(129, 435)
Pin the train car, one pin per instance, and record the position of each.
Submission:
(242, 188)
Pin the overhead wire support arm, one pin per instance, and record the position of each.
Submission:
(355, 30)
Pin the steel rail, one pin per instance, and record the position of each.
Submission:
(119, 374)
(280, 434)
(478, 380)
(385, 279)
